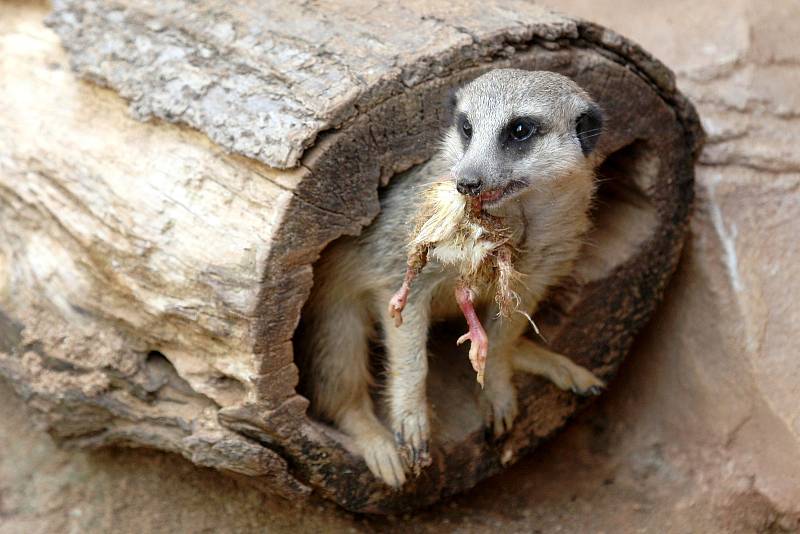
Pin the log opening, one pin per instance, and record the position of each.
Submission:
(624, 216)
(644, 189)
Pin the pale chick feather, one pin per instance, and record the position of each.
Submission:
(452, 238)
(440, 216)
(446, 232)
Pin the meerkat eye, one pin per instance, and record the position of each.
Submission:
(521, 129)
(466, 129)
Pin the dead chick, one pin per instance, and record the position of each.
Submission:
(454, 229)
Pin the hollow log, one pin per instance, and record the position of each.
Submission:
(169, 177)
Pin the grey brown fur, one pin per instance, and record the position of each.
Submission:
(549, 185)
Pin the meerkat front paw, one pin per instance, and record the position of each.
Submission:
(382, 458)
(412, 434)
(500, 406)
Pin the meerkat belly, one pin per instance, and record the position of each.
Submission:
(445, 307)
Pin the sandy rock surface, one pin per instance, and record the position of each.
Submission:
(700, 433)
(719, 371)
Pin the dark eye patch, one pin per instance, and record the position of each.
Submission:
(519, 133)
(449, 107)
(464, 128)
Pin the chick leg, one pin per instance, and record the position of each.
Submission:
(398, 301)
(416, 262)
(479, 342)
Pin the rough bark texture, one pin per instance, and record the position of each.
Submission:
(150, 283)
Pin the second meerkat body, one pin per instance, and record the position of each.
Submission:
(522, 142)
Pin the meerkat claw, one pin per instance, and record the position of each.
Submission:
(412, 437)
(593, 391)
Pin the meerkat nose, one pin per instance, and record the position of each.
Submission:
(469, 185)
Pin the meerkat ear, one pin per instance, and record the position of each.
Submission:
(588, 127)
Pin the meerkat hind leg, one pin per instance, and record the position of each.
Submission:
(375, 443)
(560, 370)
(341, 389)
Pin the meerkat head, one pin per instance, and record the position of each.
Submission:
(518, 131)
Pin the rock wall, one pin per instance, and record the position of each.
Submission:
(719, 372)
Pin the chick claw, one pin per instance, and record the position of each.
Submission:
(478, 350)
(479, 342)
(397, 303)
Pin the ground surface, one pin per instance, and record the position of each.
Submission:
(576, 484)
(628, 464)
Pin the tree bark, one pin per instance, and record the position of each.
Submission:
(152, 274)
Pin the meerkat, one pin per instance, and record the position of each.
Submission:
(521, 142)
